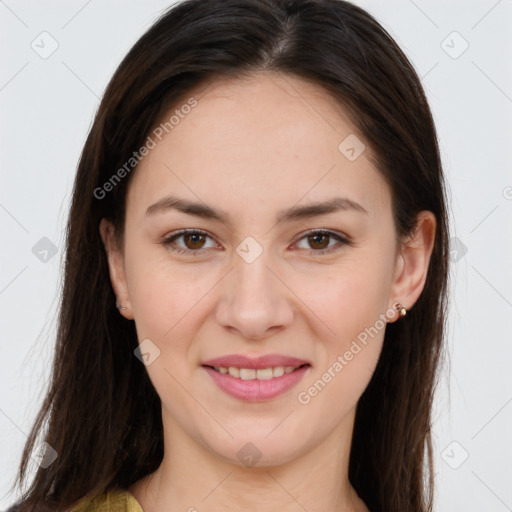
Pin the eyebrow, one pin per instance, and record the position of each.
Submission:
(294, 213)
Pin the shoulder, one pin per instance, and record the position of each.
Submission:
(118, 500)
(112, 501)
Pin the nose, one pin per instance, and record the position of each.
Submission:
(255, 300)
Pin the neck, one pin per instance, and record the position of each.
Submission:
(193, 479)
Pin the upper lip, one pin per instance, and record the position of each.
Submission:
(266, 361)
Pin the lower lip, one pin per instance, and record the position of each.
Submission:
(255, 390)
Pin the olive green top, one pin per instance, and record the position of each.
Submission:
(112, 501)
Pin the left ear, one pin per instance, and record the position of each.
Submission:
(413, 260)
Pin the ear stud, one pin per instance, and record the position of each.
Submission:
(401, 310)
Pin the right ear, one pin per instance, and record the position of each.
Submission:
(116, 268)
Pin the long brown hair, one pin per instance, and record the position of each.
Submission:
(101, 413)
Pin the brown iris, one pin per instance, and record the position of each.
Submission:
(197, 240)
(315, 237)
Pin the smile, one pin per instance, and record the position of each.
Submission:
(256, 385)
(252, 373)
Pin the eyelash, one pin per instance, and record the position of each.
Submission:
(168, 241)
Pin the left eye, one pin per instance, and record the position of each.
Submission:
(194, 241)
(318, 239)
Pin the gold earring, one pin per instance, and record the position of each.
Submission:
(401, 310)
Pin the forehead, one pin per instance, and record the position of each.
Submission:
(254, 141)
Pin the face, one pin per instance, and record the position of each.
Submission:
(260, 273)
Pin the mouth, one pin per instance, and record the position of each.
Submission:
(256, 380)
(256, 373)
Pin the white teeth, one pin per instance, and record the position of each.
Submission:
(247, 373)
(278, 371)
(264, 373)
(234, 372)
(251, 373)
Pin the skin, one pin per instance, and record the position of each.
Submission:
(252, 148)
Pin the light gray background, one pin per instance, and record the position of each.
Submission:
(46, 109)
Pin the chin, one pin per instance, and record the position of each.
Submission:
(257, 450)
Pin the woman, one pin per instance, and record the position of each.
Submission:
(255, 283)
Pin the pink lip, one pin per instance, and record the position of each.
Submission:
(268, 361)
(255, 390)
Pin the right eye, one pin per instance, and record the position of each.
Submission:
(193, 239)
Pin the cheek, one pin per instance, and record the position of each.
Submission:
(164, 294)
(357, 314)
(171, 303)
(168, 305)
(355, 309)
(353, 296)
(334, 390)
(354, 306)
